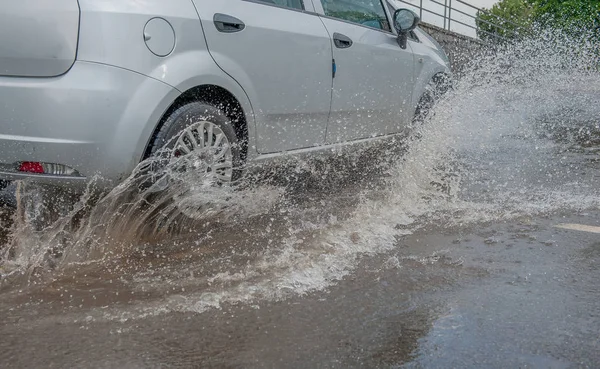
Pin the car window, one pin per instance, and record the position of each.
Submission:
(365, 12)
(294, 4)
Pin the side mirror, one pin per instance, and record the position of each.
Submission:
(405, 21)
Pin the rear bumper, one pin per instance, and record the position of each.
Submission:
(8, 172)
(95, 119)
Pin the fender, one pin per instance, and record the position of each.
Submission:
(426, 66)
(196, 68)
(154, 97)
(422, 82)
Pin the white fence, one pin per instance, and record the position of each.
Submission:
(455, 15)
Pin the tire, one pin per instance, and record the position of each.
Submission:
(184, 117)
(196, 145)
(435, 89)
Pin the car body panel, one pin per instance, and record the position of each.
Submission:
(38, 38)
(435, 47)
(108, 108)
(367, 102)
(428, 64)
(112, 33)
(362, 93)
(282, 59)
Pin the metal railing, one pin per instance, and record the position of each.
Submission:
(449, 10)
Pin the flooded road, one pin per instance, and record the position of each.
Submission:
(474, 243)
(513, 294)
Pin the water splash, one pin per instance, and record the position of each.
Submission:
(506, 142)
(132, 213)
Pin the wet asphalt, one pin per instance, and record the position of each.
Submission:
(521, 294)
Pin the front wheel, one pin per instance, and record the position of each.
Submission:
(435, 89)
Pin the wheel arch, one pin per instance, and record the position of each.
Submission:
(215, 95)
(441, 82)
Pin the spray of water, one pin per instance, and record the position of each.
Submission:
(159, 199)
(517, 136)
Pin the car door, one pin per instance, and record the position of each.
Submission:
(280, 53)
(373, 82)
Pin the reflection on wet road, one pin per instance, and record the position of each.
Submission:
(473, 245)
(517, 294)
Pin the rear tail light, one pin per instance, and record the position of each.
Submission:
(47, 168)
(31, 167)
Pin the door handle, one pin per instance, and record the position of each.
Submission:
(341, 41)
(228, 24)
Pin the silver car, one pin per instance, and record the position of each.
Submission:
(93, 87)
